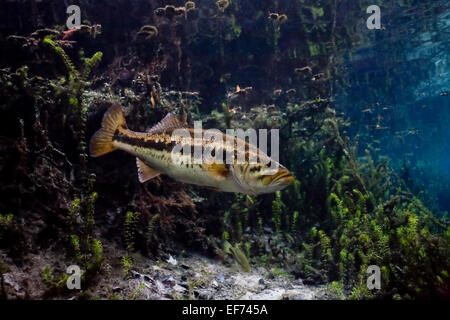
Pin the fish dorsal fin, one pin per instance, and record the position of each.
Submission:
(170, 121)
(145, 172)
(218, 171)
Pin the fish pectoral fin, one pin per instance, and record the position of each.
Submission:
(238, 182)
(218, 171)
(170, 121)
(145, 172)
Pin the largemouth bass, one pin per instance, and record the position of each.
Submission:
(153, 152)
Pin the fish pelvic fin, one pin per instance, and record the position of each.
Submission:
(102, 141)
(145, 172)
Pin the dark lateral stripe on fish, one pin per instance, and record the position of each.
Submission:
(162, 142)
(144, 141)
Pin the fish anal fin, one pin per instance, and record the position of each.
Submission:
(170, 121)
(218, 171)
(145, 172)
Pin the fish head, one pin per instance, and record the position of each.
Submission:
(264, 179)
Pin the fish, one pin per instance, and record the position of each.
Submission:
(154, 156)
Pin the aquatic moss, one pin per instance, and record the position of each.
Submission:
(127, 264)
(5, 222)
(71, 71)
(151, 228)
(238, 255)
(222, 4)
(189, 5)
(131, 220)
(277, 211)
(90, 63)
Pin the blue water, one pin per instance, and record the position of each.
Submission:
(395, 93)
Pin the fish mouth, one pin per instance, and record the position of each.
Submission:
(283, 177)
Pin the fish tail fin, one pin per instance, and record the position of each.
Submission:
(102, 141)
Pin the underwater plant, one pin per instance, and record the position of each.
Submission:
(238, 255)
(148, 32)
(189, 5)
(131, 220)
(222, 4)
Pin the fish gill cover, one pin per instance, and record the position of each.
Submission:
(363, 119)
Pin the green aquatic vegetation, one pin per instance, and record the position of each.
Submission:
(87, 250)
(70, 67)
(137, 291)
(55, 285)
(73, 213)
(336, 289)
(89, 64)
(366, 217)
(72, 89)
(242, 214)
(5, 222)
(225, 236)
(131, 221)
(337, 209)
(127, 264)
(277, 272)
(75, 241)
(295, 217)
(151, 228)
(260, 225)
(77, 81)
(277, 211)
(314, 49)
(363, 239)
(97, 252)
(238, 255)
(90, 211)
(248, 248)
